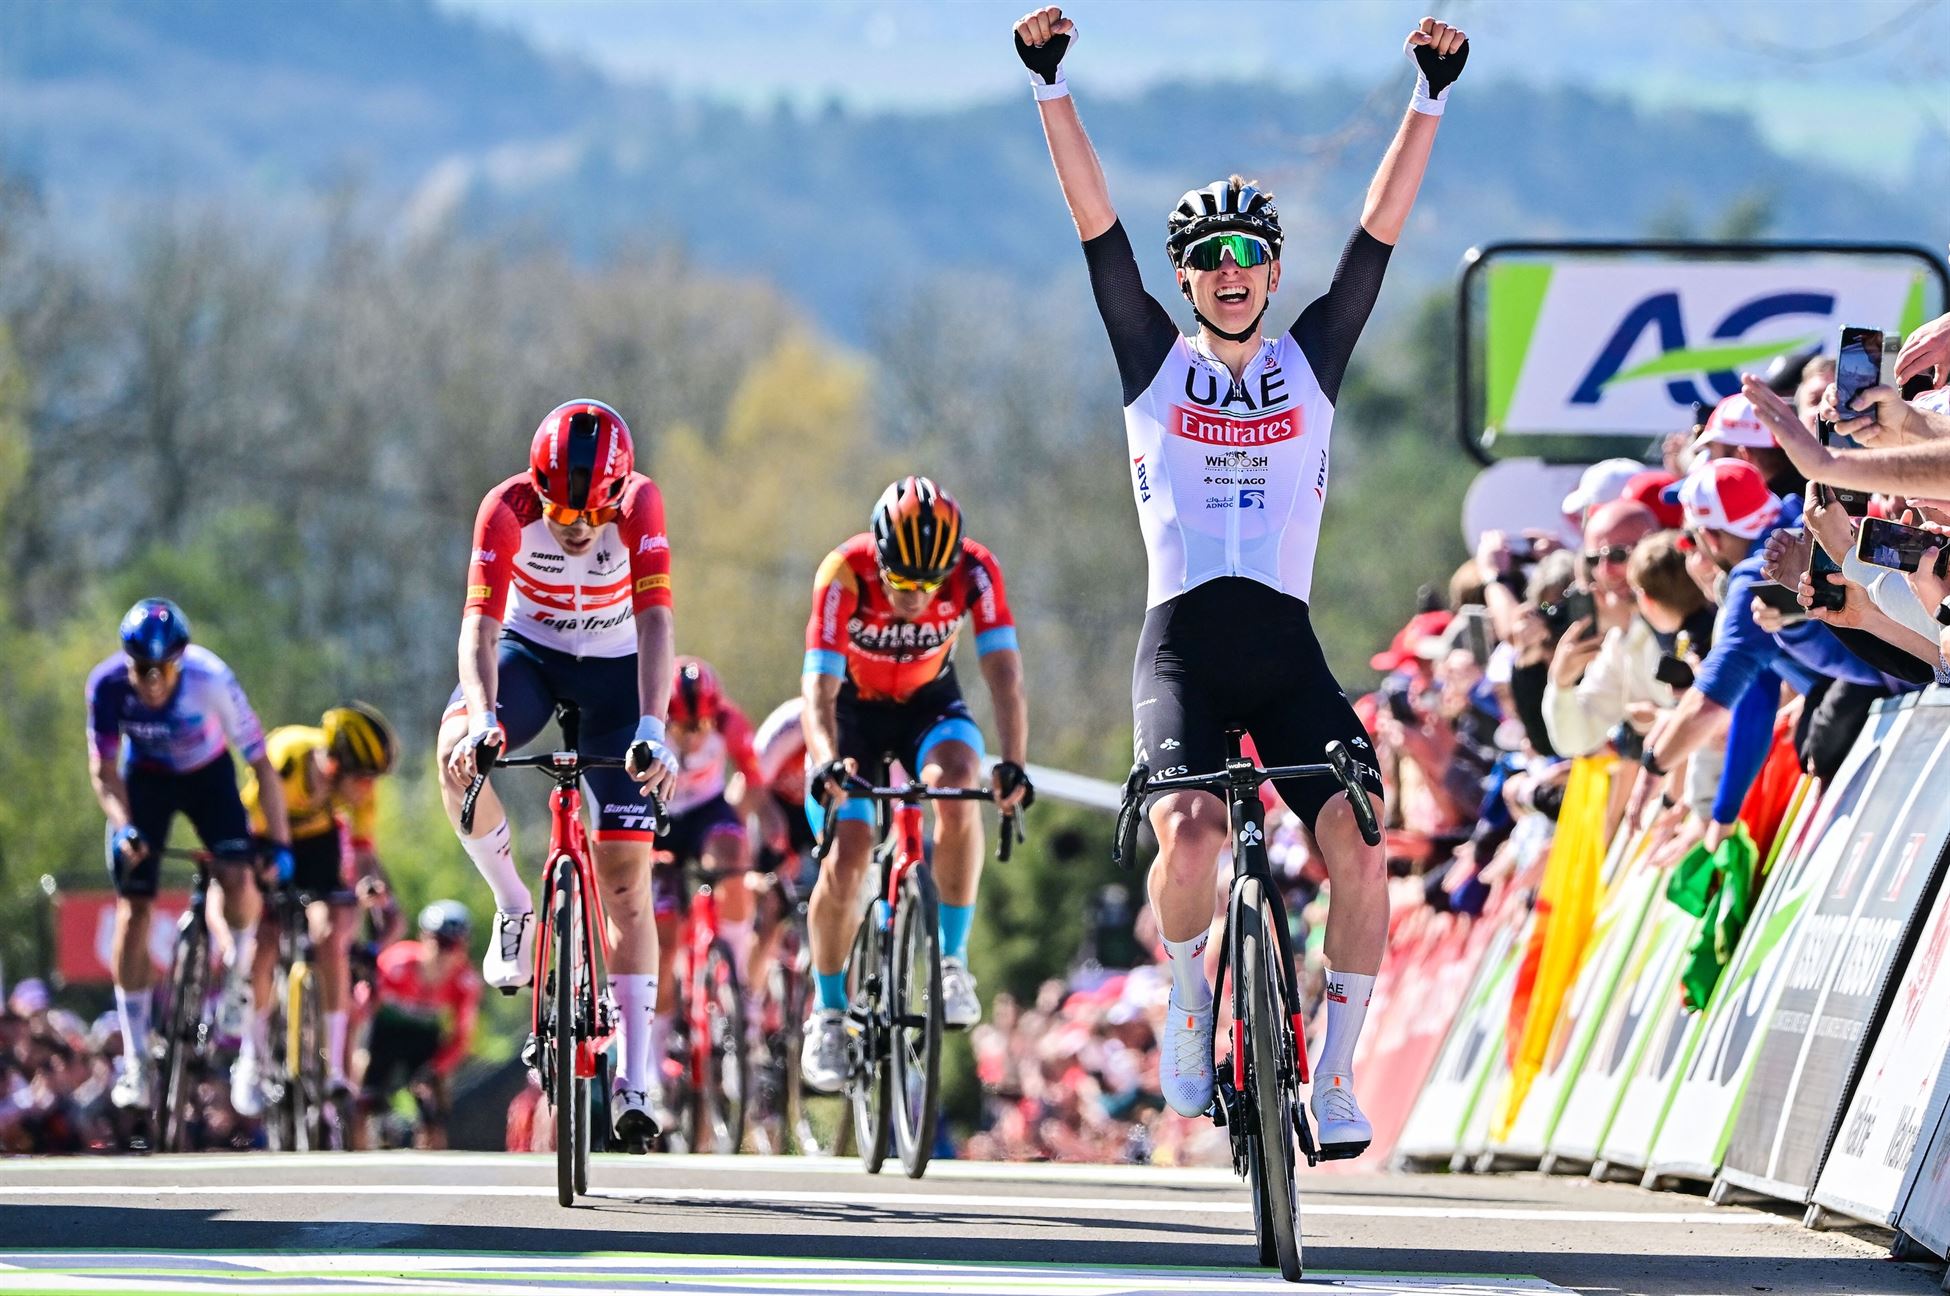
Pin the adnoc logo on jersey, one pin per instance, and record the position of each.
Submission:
(1622, 344)
(1250, 498)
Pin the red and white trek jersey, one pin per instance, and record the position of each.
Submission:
(583, 604)
(1230, 477)
(701, 774)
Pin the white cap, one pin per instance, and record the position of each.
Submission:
(1602, 483)
(1734, 422)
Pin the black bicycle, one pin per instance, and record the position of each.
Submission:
(893, 980)
(185, 1046)
(1257, 1097)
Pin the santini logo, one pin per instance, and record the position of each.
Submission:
(1719, 361)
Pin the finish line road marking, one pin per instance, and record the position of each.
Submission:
(101, 1273)
(916, 1202)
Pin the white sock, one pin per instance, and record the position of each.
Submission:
(636, 1007)
(661, 1025)
(738, 935)
(132, 1010)
(243, 949)
(335, 1023)
(1188, 986)
(493, 853)
(1347, 1008)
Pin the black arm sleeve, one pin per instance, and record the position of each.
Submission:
(1880, 654)
(1141, 333)
(1328, 329)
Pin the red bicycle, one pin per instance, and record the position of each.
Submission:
(573, 1020)
(714, 1069)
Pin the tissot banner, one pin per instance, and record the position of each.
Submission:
(1584, 342)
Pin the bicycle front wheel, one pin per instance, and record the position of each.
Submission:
(189, 977)
(722, 1060)
(915, 1000)
(1271, 1091)
(571, 1121)
(868, 1081)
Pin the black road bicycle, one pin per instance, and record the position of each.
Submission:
(1257, 1095)
(893, 980)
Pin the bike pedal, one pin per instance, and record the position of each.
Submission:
(1341, 1151)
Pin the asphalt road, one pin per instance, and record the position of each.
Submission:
(483, 1223)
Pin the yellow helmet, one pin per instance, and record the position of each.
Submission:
(360, 740)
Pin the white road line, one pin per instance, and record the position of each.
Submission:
(919, 1201)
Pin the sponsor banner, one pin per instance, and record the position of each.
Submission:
(1585, 1006)
(1621, 1096)
(1456, 1083)
(1875, 1153)
(1820, 1027)
(84, 933)
(1692, 1138)
(1585, 343)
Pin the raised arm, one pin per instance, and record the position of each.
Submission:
(1439, 51)
(1042, 38)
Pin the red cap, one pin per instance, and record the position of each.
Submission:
(1727, 495)
(1412, 641)
(1645, 489)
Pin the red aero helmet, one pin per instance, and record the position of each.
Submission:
(581, 455)
(695, 694)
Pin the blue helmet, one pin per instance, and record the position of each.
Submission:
(446, 920)
(155, 630)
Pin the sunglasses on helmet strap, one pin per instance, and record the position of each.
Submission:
(1246, 250)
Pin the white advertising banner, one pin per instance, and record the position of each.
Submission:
(1584, 343)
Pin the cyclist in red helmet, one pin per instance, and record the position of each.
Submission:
(568, 602)
(879, 680)
(718, 786)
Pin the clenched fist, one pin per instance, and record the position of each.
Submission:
(1042, 38)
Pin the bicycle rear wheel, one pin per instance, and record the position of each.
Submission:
(720, 1059)
(868, 1081)
(915, 1004)
(189, 977)
(559, 1049)
(1270, 1087)
(283, 1129)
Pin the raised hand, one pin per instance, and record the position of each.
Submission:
(1926, 351)
(1042, 38)
(1439, 51)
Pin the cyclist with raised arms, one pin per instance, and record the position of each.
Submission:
(1227, 437)
(879, 679)
(163, 716)
(568, 602)
(328, 776)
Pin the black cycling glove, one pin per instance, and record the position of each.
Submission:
(1043, 60)
(826, 779)
(1439, 71)
(1011, 776)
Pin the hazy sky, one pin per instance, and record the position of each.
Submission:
(1860, 81)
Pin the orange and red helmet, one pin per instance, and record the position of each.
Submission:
(695, 694)
(916, 533)
(579, 461)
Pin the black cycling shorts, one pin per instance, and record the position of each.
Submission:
(1235, 652)
(398, 1048)
(321, 867)
(206, 796)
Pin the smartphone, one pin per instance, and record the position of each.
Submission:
(1859, 365)
(1833, 598)
(1892, 544)
(1782, 599)
(1402, 707)
(1577, 605)
(1677, 673)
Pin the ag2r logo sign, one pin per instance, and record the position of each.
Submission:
(1659, 315)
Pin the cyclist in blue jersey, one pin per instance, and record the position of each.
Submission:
(1227, 436)
(163, 715)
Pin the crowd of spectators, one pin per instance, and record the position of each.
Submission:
(54, 1076)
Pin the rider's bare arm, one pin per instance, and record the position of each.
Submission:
(1077, 167)
(1002, 670)
(656, 659)
(480, 639)
(1391, 196)
(270, 799)
(110, 790)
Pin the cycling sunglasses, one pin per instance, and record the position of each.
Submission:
(1247, 251)
(907, 585)
(563, 515)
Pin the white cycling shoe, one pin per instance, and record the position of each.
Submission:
(1342, 1130)
(246, 1088)
(960, 1009)
(633, 1119)
(510, 960)
(237, 1006)
(1185, 1060)
(131, 1089)
(822, 1062)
